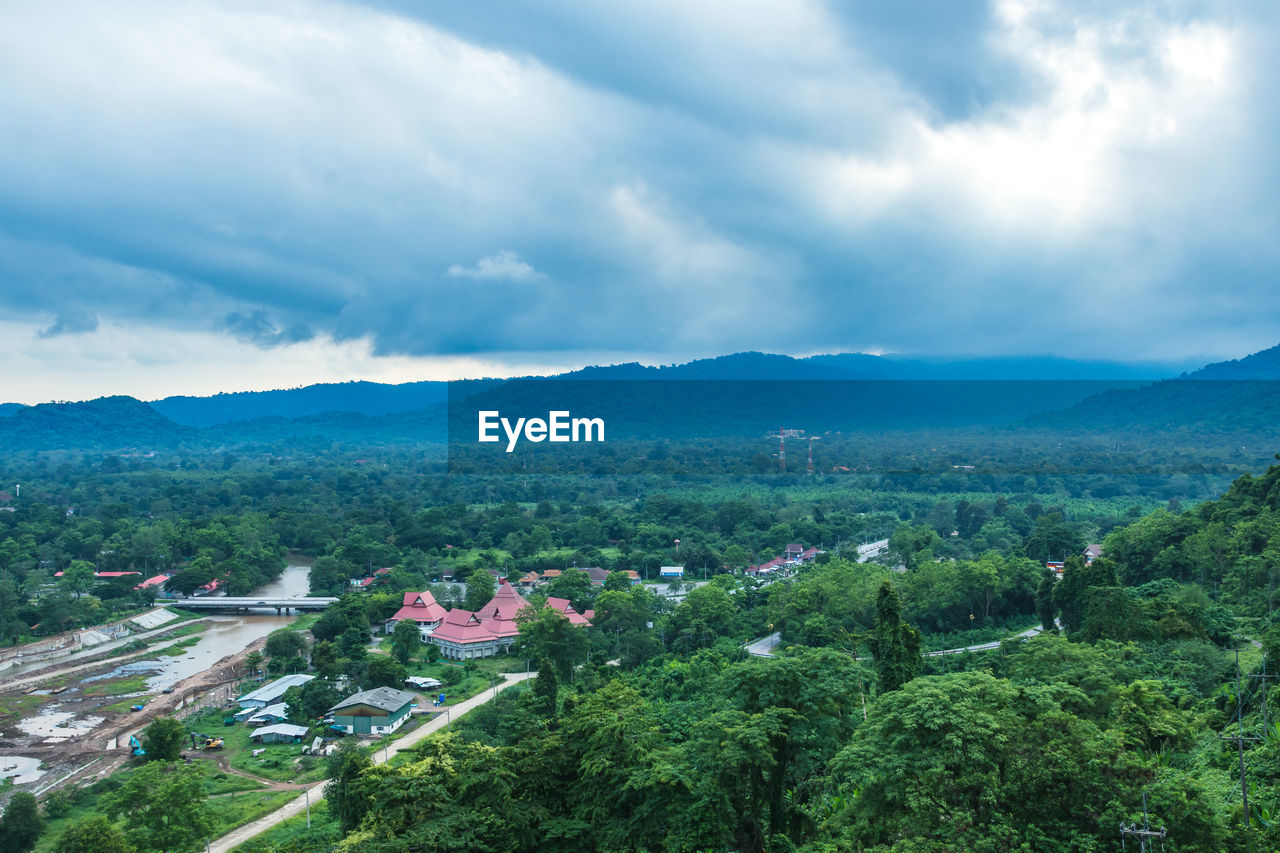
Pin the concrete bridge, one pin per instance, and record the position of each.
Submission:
(227, 603)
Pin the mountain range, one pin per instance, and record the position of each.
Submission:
(881, 393)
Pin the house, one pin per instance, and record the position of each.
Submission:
(548, 576)
(422, 683)
(279, 733)
(1091, 553)
(529, 581)
(634, 576)
(793, 551)
(270, 694)
(671, 572)
(491, 629)
(420, 607)
(156, 581)
(274, 713)
(596, 575)
(379, 711)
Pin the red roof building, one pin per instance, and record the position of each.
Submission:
(420, 607)
(491, 629)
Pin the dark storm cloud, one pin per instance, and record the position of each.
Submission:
(657, 177)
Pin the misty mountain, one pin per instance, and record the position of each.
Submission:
(108, 422)
(1264, 365)
(367, 398)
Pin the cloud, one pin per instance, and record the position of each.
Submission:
(992, 177)
(502, 266)
(76, 321)
(255, 328)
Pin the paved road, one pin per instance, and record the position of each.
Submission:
(298, 806)
(983, 647)
(763, 647)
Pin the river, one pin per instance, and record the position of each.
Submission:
(224, 635)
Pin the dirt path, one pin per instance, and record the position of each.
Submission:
(239, 836)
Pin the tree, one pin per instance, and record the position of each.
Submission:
(383, 671)
(252, 663)
(894, 644)
(1044, 601)
(342, 793)
(78, 577)
(285, 643)
(94, 834)
(573, 584)
(547, 687)
(163, 739)
(163, 808)
(617, 582)
(480, 588)
(405, 640)
(326, 658)
(21, 825)
(546, 633)
(311, 700)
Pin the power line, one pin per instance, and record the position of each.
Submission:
(1146, 835)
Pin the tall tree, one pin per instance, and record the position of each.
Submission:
(1044, 601)
(163, 807)
(163, 739)
(21, 825)
(342, 793)
(405, 640)
(547, 687)
(480, 588)
(894, 644)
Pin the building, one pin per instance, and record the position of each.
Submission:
(279, 733)
(671, 572)
(373, 712)
(491, 629)
(1091, 553)
(276, 713)
(420, 607)
(270, 694)
(597, 576)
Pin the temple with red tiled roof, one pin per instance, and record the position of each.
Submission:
(464, 634)
(420, 607)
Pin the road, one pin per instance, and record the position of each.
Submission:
(763, 647)
(298, 806)
(984, 647)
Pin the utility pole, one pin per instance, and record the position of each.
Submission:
(1240, 738)
(1143, 834)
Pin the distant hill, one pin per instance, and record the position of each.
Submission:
(1264, 365)
(9, 408)
(1229, 396)
(366, 398)
(1053, 368)
(108, 422)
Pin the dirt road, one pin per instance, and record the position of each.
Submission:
(316, 791)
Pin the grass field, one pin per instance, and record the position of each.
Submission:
(280, 762)
(293, 835)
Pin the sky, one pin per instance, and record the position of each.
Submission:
(212, 196)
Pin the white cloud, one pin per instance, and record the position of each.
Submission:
(505, 265)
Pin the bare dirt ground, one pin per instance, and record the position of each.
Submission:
(100, 743)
